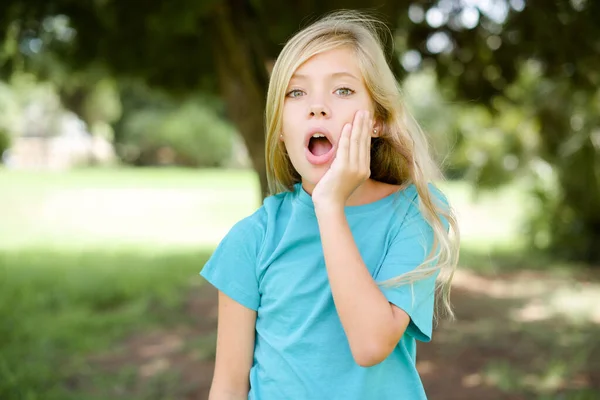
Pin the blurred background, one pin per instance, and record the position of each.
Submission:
(131, 137)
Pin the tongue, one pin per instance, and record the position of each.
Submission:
(320, 146)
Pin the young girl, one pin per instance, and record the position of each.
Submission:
(325, 289)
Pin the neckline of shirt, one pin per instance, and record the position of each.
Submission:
(306, 200)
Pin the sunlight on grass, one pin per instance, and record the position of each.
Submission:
(574, 303)
(163, 208)
(172, 207)
(556, 376)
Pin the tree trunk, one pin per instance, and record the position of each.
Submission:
(243, 81)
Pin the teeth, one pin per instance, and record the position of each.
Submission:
(318, 135)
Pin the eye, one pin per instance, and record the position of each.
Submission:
(344, 92)
(294, 93)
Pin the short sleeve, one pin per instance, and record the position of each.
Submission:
(232, 266)
(409, 249)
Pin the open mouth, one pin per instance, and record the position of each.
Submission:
(319, 145)
(319, 149)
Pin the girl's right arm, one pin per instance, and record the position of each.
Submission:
(235, 350)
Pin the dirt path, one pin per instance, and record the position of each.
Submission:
(485, 354)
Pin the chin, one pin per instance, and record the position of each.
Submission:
(311, 176)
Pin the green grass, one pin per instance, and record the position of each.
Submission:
(91, 257)
(59, 306)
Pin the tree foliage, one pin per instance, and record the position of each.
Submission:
(216, 46)
(540, 62)
(530, 66)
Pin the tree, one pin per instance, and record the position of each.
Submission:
(540, 56)
(183, 46)
(483, 51)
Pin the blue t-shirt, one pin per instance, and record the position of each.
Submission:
(272, 262)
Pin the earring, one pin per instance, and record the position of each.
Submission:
(281, 136)
(375, 131)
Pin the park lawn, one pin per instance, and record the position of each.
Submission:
(58, 306)
(100, 295)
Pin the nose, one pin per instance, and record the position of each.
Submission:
(319, 110)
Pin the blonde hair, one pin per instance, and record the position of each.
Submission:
(400, 155)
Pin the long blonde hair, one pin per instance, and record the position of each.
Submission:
(400, 155)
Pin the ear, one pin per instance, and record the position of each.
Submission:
(377, 127)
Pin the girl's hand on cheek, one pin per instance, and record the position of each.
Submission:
(351, 166)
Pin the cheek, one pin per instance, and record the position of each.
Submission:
(348, 109)
(290, 122)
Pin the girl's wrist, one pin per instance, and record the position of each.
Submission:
(328, 207)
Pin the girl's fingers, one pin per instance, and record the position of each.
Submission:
(365, 143)
(343, 149)
(356, 138)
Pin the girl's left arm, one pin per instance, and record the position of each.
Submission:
(372, 324)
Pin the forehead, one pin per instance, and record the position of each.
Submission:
(338, 62)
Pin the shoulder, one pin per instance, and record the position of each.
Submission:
(256, 224)
(411, 192)
(410, 196)
(275, 201)
(410, 201)
(248, 231)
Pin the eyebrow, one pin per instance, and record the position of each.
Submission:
(334, 75)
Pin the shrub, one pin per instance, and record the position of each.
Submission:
(191, 135)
